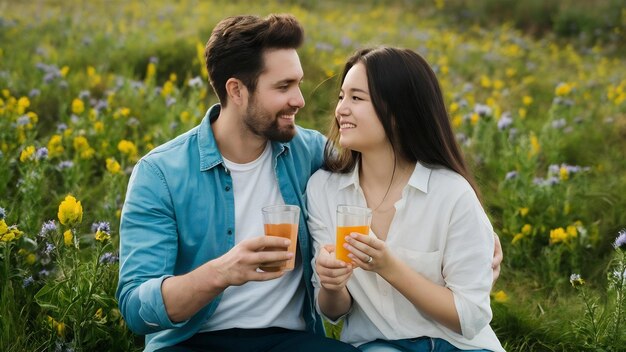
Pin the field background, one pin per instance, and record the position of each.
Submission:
(536, 91)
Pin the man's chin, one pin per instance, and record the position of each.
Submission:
(284, 135)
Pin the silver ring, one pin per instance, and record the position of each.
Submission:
(369, 260)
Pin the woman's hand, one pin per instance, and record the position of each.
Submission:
(369, 253)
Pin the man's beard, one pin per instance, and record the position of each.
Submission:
(261, 123)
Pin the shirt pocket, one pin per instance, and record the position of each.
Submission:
(429, 264)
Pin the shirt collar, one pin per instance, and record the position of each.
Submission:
(419, 178)
(210, 155)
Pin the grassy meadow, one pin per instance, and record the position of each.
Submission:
(535, 90)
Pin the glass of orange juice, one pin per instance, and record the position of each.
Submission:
(282, 221)
(350, 218)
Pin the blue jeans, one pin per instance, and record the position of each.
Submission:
(259, 340)
(420, 344)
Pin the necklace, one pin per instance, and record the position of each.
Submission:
(399, 181)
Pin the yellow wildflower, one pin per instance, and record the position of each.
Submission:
(30, 259)
(558, 235)
(563, 173)
(474, 119)
(98, 126)
(173, 77)
(99, 314)
(563, 89)
(102, 236)
(527, 100)
(125, 112)
(500, 297)
(27, 153)
(485, 82)
(523, 211)
(535, 147)
(522, 113)
(184, 116)
(3, 227)
(517, 237)
(454, 107)
(526, 229)
(68, 237)
(168, 88)
(64, 71)
(70, 211)
(498, 84)
(78, 106)
(572, 231)
(510, 72)
(457, 121)
(150, 71)
(55, 147)
(22, 104)
(60, 329)
(113, 166)
(127, 148)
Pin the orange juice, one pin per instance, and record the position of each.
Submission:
(343, 231)
(289, 231)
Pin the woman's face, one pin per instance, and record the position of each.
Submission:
(359, 126)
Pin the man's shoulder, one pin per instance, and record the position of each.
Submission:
(308, 136)
(179, 147)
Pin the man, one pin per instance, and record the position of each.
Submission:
(191, 227)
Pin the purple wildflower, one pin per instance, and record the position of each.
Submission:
(65, 164)
(196, 82)
(23, 120)
(48, 227)
(620, 241)
(49, 248)
(505, 121)
(28, 281)
(511, 175)
(102, 226)
(109, 258)
(483, 110)
(42, 153)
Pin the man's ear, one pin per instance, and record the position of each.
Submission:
(236, 91)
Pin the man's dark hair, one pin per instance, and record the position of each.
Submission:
(236, 46)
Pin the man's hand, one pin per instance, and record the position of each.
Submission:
(240, 264)
(333, 273)
(497, 259)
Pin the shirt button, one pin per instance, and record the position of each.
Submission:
(227, 188)
(230, 231)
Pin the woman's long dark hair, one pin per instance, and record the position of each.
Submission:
(408, 101)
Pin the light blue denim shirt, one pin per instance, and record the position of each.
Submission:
(179, 213)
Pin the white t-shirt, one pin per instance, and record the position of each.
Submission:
(255, 305)
(441, 231)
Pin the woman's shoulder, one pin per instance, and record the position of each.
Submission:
(322, 178)
(447, 179)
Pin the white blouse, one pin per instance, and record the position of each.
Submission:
(441, 231)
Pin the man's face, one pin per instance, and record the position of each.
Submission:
(272, 107)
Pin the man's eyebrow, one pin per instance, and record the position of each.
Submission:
(288, 81)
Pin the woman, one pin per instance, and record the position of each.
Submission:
(421, 280)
